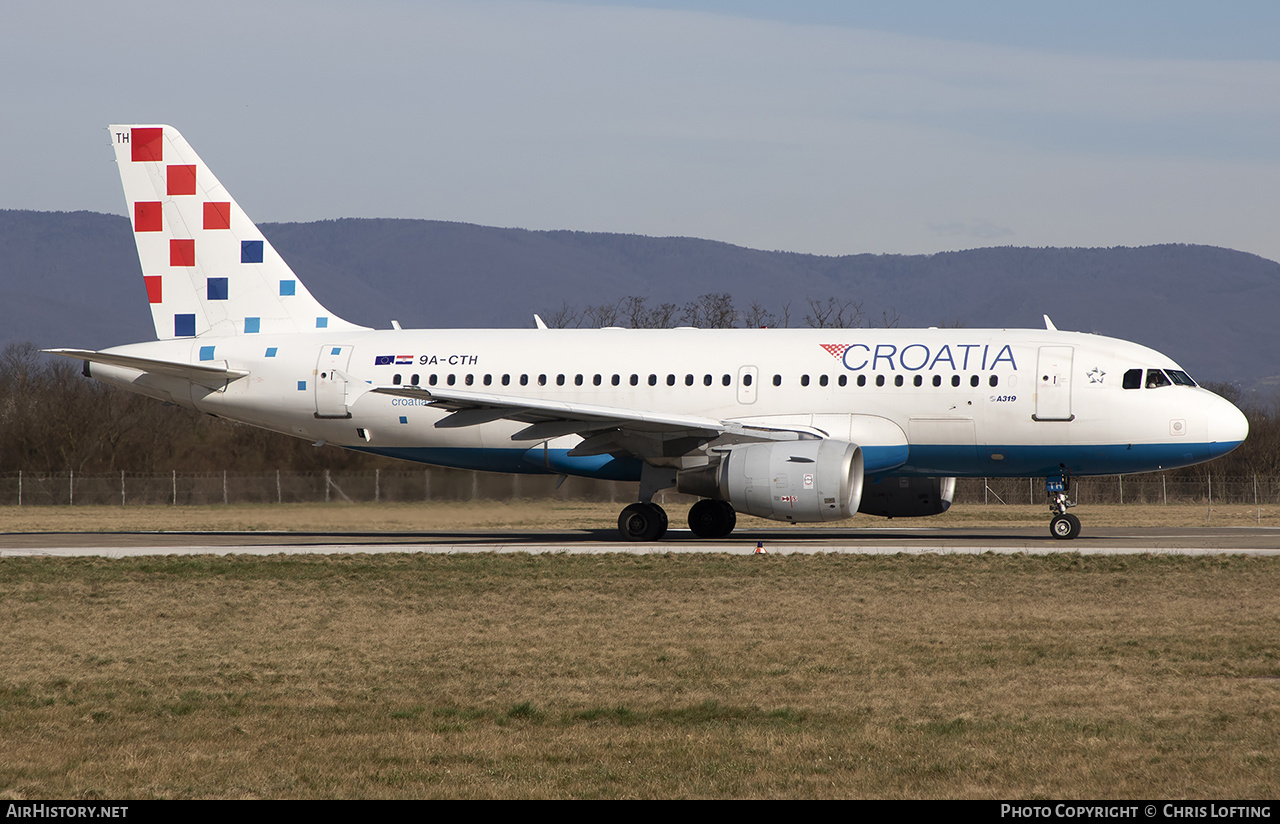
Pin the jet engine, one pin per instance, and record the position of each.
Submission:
(818, 480)
(907, 497)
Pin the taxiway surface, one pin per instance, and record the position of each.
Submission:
(1182, 541)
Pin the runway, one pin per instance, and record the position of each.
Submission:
(778, 541)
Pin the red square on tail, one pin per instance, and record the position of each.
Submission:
(146, 144)
(147, 216)
(181, 180)
(182, 252)
(154, 292)
(217, 215)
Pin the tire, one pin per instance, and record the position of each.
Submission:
(712, 519)
(1064, 527)
(642, 522)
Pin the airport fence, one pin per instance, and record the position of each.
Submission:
(438, 484)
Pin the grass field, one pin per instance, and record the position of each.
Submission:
(614, 676)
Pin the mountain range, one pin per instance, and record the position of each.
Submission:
(73, 279)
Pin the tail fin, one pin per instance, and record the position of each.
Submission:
(208, 269)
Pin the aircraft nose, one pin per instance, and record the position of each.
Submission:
(1228, 427)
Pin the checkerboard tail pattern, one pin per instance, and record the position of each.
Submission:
(207, 270)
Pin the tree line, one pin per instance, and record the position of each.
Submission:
(716, 310)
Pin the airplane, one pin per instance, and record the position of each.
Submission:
(793, 425)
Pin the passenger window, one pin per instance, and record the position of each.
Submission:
(470, 379)
(395, 381)
(973, 380)
(955, 380)
(822, 380)
(671, 380)
(451, 380)
(1132, 379)
(577, 380)
(804, 380)
(653, 380)
(706, 380)
(746, 379)
(635, 380)
(777, 380)
(596, 380)
(727, 380)
(542, 380)
(506, 380)
(879, 380)
(937, 380)
(844, 380)
(617, 379)
(688, 380)
(559, 380)
(414, 380)
(488, 380)
(524, 380)
(993, 380)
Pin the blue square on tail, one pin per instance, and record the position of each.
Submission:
(250, 251)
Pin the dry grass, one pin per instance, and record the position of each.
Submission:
(483, 676)
(557, 514)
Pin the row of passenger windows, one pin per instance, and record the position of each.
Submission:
(690, 380)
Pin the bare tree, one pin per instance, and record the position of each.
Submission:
(711, 311)
(833, 313)
(889, 318)
(757, 317)
(563, 318)
(606, 314)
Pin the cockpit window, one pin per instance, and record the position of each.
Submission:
(1133, 379)
(1179, 377)
(1156, 378)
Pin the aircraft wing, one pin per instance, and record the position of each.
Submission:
(604, 427)
(205, 374)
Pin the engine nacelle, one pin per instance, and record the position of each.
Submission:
(907, 497)
(818, 480)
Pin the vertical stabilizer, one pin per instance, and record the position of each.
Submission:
(208, 270)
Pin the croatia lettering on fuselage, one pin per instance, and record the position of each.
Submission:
(916, 357)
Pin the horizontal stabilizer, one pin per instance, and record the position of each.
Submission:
(210, 375)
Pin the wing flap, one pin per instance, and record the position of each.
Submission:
(483, 407)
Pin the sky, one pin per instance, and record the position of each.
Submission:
(823, 127)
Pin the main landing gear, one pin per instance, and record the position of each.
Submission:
(1064, 525)
(712, 519)
(646, 521)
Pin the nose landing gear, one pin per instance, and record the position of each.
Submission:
(1064, 525)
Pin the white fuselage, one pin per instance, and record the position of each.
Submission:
(938, 402)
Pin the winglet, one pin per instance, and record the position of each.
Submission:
(1048, 324)
(538, 321)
